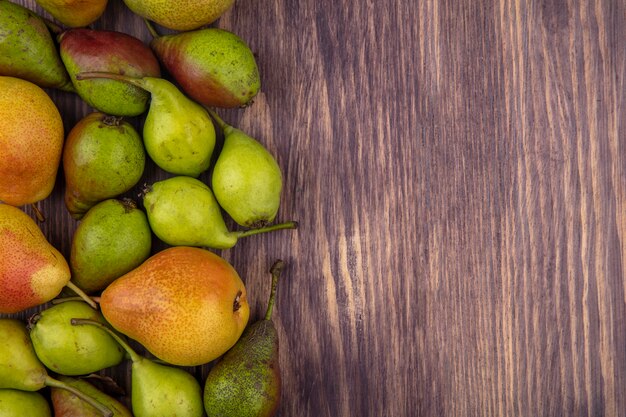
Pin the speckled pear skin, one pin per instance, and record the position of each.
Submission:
(85, 50)
(103, 157)
(16, 403)
(27, 49)
(246, 181)
(181, 14)
(213, 66)
(112, 239)
(187, 306)
(32, 271)
(66, 404)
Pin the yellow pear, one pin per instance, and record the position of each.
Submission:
(31, 142)
(180, 14)
(187, 306)
(32, 271)
(74, 13)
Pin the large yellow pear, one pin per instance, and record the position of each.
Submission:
(186, 305)
(180, 14)
(31, 142)
(32, 271)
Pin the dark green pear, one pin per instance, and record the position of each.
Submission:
(66, 404)
(21, 369)
(113, 238)
(102, 50)
(246, 181)
(246, 381)
(213, 66)
(157, 390)
(178, 133)
(103, 157)
(182, 211)
(27, 49)
(71, 350)
(16, 403)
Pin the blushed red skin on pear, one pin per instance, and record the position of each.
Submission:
(102, 50)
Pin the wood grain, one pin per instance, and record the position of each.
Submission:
(458, 169)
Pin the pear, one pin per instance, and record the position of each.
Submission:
(70, 350)
(31, 142)
(178, 133)
(74, 13)
(246, 381)
(187, 306)
(182, 211)
(16, 403)
(156, 389)
(180, 15)
(213, 66)
(20, 369)
(103, 157)
(100, 50)
(66, 404)
(246, 180)
(113, 238)
(32, 271)
(27, 50)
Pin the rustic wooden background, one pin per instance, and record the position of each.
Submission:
(458, 169)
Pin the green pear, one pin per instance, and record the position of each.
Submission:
(70, 350)
(103, 157)
(246, 381)
(27, 50)
(16, 403)
(20, 369)
(213, 66)
(246, 181)
(180, 15)
(113, 238)
(158, 390)
(66, 404)
(182, 211)
(178, 133)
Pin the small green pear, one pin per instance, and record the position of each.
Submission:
(158, 390)
(103, 157)
(16, 403)
(113, 238)
(21, 369)
(178, 133)
(246, 381)
(66, 404)
(247, 181)
(70, 350)
(182, 211)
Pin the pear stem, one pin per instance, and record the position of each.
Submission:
(51, 382)
(220, 122)
(275, 271)
(279, 226)
(82, 294)
(137, 82)
(52, 27)
(133, 355)
(40, 217)
(151, 28)
(56, 301)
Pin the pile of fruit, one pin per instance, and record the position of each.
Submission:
(185, 305)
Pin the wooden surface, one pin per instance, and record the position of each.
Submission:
(458, 169)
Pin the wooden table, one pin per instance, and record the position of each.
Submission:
(458, 169)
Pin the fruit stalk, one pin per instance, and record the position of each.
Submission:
(82, 294)
(275, 270)
(131, 352)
